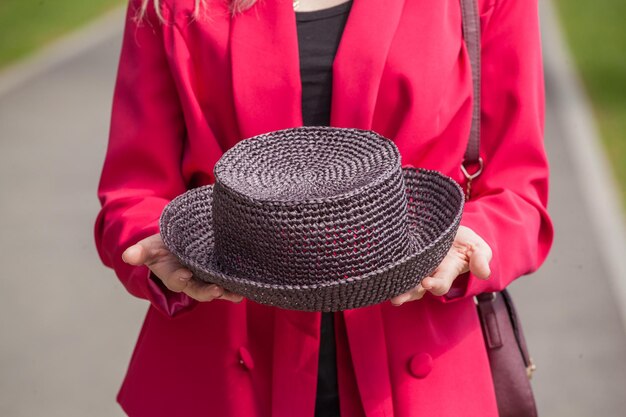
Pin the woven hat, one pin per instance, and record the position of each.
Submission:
(315, 219)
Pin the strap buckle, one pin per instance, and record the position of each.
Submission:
(485, 296)
(471, 176)
(530, 369)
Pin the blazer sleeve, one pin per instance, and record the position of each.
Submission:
(509, 200)
(141, 171)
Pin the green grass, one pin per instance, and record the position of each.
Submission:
(26, 25)
(596, 33)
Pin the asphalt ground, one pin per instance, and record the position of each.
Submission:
(67, 327)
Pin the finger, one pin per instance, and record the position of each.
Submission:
(479, 253)
(231, 296)
(441, 280)
(175, 281)
(135, 255)
(479, 263)
(152, 252)
(202, 291)
(174, 275)
(205, 292)
(437, 285)
(412, 295)
(145, 251)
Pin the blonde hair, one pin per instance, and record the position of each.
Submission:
(236, 6)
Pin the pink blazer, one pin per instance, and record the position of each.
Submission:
(188, 90)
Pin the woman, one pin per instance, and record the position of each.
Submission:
(190, 88)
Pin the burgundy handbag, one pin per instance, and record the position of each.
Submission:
(511, 365)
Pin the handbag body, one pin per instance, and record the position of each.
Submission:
(511, 365)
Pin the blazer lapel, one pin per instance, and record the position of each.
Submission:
(265, 65)
(360, 61)
(265, 68)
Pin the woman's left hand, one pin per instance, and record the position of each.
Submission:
(469, 253)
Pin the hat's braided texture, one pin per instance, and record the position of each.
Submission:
(315, 218)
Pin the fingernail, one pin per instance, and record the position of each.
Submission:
(217, 292)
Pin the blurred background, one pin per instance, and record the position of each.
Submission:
(67, 327)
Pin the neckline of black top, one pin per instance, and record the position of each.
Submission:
(324, 13)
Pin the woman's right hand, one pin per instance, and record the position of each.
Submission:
(153, 253)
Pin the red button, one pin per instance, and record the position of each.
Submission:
(245, 359)
(420, 365)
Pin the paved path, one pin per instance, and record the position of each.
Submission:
(67, 327)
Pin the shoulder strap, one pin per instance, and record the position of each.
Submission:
(471, 35)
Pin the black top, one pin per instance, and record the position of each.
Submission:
(319, 33)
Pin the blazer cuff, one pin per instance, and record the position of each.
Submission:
(142, 283)
(165, 300)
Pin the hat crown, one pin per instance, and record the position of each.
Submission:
(307, 164)
(310, 205)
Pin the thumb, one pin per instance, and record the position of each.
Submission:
(479, 264)
(135, 255)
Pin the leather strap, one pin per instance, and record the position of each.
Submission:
(489, 319)
(471, 35)
(517, 328)
(502, 330)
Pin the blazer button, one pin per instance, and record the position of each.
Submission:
(245, 359)
(420, 365)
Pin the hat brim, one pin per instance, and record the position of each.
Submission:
(186, 229)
